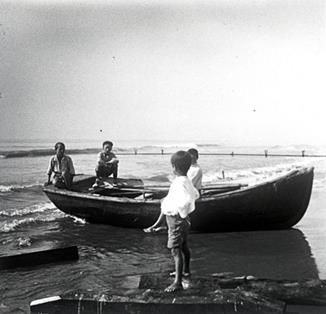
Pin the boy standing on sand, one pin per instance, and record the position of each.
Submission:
(195, 174)
(62, 167)
(107, 164)
(177, 206)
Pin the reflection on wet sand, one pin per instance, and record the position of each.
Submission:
(278, 254)
(283, 254)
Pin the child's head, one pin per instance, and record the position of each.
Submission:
(107, 146)
(59, 148)
(194, 155)
(181, 162)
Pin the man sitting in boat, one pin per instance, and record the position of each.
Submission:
(107, 164)
(62, 167)
(195, 174)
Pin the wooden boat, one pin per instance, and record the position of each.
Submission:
(279, 203)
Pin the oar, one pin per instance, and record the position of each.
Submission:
(224, 187)
(166, 189)
(204, 188)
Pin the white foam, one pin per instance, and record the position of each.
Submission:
(38, 208)
(170, 145)
(250, 176)
(6, 226)
(9, 188)
(6, 188)
(77, 220)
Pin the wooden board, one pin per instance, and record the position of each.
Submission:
(194, 299)
(39, 257)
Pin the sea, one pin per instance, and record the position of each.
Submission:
(110, 258)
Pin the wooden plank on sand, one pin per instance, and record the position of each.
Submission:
(192, 299)
(39, 257)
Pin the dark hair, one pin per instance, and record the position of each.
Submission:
(107, 142)
(181, 160)
(193, 152)
(59, 143)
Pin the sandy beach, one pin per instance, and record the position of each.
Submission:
(110, 257)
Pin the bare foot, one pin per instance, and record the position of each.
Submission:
(174, 287)
(158, 229)
(183, 274)
(154, 230)
(149, 230)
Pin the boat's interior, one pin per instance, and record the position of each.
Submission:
(135, 188)
(131, 188)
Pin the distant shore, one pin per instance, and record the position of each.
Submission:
(50, 152)
(45, 152)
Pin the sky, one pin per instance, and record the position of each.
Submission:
(236, 72)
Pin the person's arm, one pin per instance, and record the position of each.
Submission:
(114, 159)
(196, 176)
(156, 225)
(49, 172)
(69, 173)
(49, 180)
(100, 161)
(71, 167)
(187, 197)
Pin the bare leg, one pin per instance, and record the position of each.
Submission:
(57, 182)
(178, 261)
(186, 254)
(106, 171)
(67, 178)
(100, 171)
(157, 224)
(115, 173)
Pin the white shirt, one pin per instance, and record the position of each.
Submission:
(64, 165)
(181, 198)
(195, 174)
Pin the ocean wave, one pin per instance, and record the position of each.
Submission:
(159, 178)
(50, 152)
(24, 241)
(169, 145)
(6, 188)
(77, 220)
(16, 187)
(209, 145)
(156, 147)
(46, 152)
(7, 226)
(252, 176)
(37, 208)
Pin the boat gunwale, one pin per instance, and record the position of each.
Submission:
(115, 199)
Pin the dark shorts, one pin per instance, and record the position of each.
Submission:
(107, 170)
(59, 182)
(178, 230)
(62, 181)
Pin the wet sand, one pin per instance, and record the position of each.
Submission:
(293, 254)
(110, 255)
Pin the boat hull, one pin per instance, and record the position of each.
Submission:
(276, 204)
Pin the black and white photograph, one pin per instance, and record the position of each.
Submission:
(162, 156)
